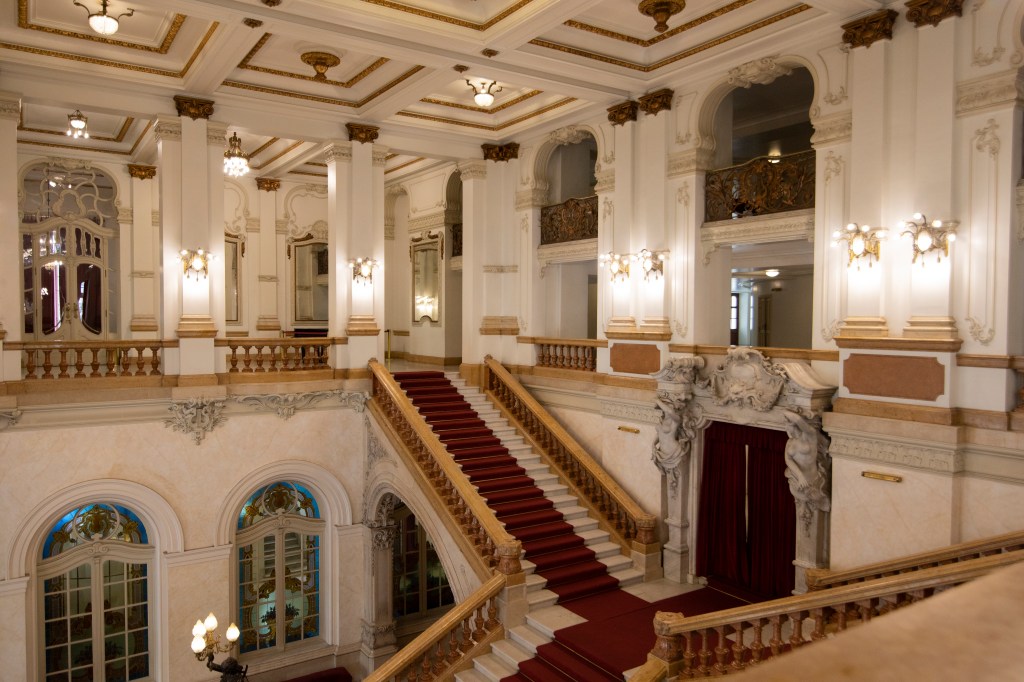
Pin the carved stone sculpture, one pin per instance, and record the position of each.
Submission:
(807, 467)
(746, 378)
(196, 417)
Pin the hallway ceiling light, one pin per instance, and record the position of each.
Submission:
(102, 22)
(862, 242)
(661, 11)
(78, 125)
(617, 264)
(934, 236)
(236, 162)
(771, 272)
(483, 91)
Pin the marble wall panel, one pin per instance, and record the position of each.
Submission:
(990, 507)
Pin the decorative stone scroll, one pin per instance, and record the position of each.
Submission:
(196, 417)
(757, 72)
(285, 405)
(870, 29)
(9, 418)
(746, 379)
(193, 107)
(500, 152)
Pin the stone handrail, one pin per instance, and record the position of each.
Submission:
(821, 578)
(578, 354)
(90, 359)
(699, 646)
(251, 355)
(617, 512)
(484, 536)
(451, 643)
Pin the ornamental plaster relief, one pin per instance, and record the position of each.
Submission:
(304, 207)
(285, 405)
(905, 453)
(236, 208)
(757, 72)
(832, 129)
(195, 417)
(998, 91)
(983, 193)
(631, 411)
(758, 229)
(567, 252)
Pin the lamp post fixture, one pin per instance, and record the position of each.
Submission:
(206, 644)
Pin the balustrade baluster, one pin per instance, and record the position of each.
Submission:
(125, 362)
(247, 360)
(467, 635)
(411, 675)
(439, 659)
(738, 648)
(819, 624)
(47, 364)
(478, 623)
(63, 364)
(453, 646)
(425, 674)
(776, 641)
(721, 649)
(704, 654)
(79, 362)
(30, 364)
(797, 638)
(492, 613)
(95, 365)
(757, 646)
(111, 362)
(233, 358)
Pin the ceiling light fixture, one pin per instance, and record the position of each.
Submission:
(236, 162)
(78, 125)
(320, 61)
(483, 92)
(771, 272)
(661, 11)
(102, 22)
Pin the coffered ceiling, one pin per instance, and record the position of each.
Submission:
(389, 64)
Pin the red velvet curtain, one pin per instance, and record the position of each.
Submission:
(746, 528)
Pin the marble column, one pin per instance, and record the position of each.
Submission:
(11, 267)
(474, 229)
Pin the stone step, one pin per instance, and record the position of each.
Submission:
(510, 652)
(472, 675)
(550, 618)
(541, 598)
(493, 667)
(528, 638)
(627, 576)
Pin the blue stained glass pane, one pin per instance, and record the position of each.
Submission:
(94, 522)
(283, 496)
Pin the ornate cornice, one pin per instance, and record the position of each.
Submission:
(566, 252)
(338, 151)
(268, 184)
(932, 12)
(167, 130)
(620, 114)
(757, 72)
(531, 198)
(428, 222)
(794, 225)
(899, 453)
(216, 133)
(1004, 89)
(380, 158)
(872, 28)
(193, 107)
(359, 132)
(832, 129)
(472, 170)
(9, 418)
(689, 161)
(285, 405)
(140, 172)
(500, 152)
(568, 135)
(196, 417)
(10, 106)
(653, 102)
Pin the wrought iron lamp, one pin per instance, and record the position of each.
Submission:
(78, 125)
(195, 262)
(206, 644)
(617, 264)
(102, 22)
(652, 263)
(926, 237)
(863, 242)
(236, 162)
(362, 270)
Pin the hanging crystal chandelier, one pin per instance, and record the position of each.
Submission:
(236, 162)
(78, 125)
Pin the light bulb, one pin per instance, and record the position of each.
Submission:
(857, 245)
(951, 237)
(198, 644)
(211, 622)
(103, 24)
(198, 630)
(232, 633)
(483, 99)
(771, 272)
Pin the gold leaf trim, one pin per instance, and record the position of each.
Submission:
(278, 156)
(73, 146)
(447, 19)
(162, 48)
(647, 42)
(314, 175)
(483, 126)
(99, 138)
(244, 64)
(141, 136)
(263, 148)
(403, 165)
(615, 61)
(323, 100)
(483, 110)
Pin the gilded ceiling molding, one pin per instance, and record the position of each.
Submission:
(359, 132)
(193, 107)
(325, 100)
(932, 12)
(484, 126)
(275, 157)
(455, 21)
(244, 64)
(140, 172)
(483, 110)
(654, 102)
(252, 23)
(268, 184)
(620, 114)
(162, 48)
(661, 36)
(757, 72)
(167, 130)
(1004, 89)
(872, 28)
(403, 165)
(500, 152)
(97, 138)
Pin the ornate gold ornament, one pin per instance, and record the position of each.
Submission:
(661, 11)
(653, 102)
(252, 23)
(141, 172)
(489, 52)
(193, 107)
(268, 184)
(926, 236)
(870, 29)
(102, 22)
(623, 113)
(760, 186)
(862, 242)
(932, 12)
(500, 152)
(572, 220)
(320, 61)
(358, 132)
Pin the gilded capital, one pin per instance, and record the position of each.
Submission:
(500, 152)
(268, 184)
(653, 102)
(252, 23)
(358, 132)
(932, 12)
(193, 107)
(623, 113)
(872, 28)
(140, 172)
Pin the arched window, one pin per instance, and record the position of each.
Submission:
(278, 539)
(94, 572)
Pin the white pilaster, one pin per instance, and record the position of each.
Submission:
(11, 311)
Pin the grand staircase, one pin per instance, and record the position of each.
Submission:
(566, 555)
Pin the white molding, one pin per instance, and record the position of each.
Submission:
(979, 95)
(832, 129)
(202, 555)
(13, 587)
(568, 252)
(778, 227)
(905, 452)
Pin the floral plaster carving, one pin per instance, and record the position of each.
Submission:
(196, 417)
(808, 467)
(748, 379)
(378, 635)
(569, 135)
(9, 418)
(757, 72)
(285, 405)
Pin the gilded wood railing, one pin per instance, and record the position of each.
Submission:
(580, 354)
(451, 643)
(729, 641)
(760, 186)
(275, 354)
(569, 221)
(820, 578)
(89, 359)
(483, 535)
(617, 512)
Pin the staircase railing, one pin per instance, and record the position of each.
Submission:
(90, 359)
(821, 578)
(451, 643)
(482, 535)
(618, 513)
(579, 354)
(276, 355)
(729, 641)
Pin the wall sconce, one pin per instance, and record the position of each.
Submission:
(925, 236)
(206, 644)
(195, 262)
(101, 22)
(862, 241)
(362, 270)
(78, 125)
(618, 265)
(236, 162)
(652, 263)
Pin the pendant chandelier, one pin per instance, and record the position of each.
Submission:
(236, 162)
